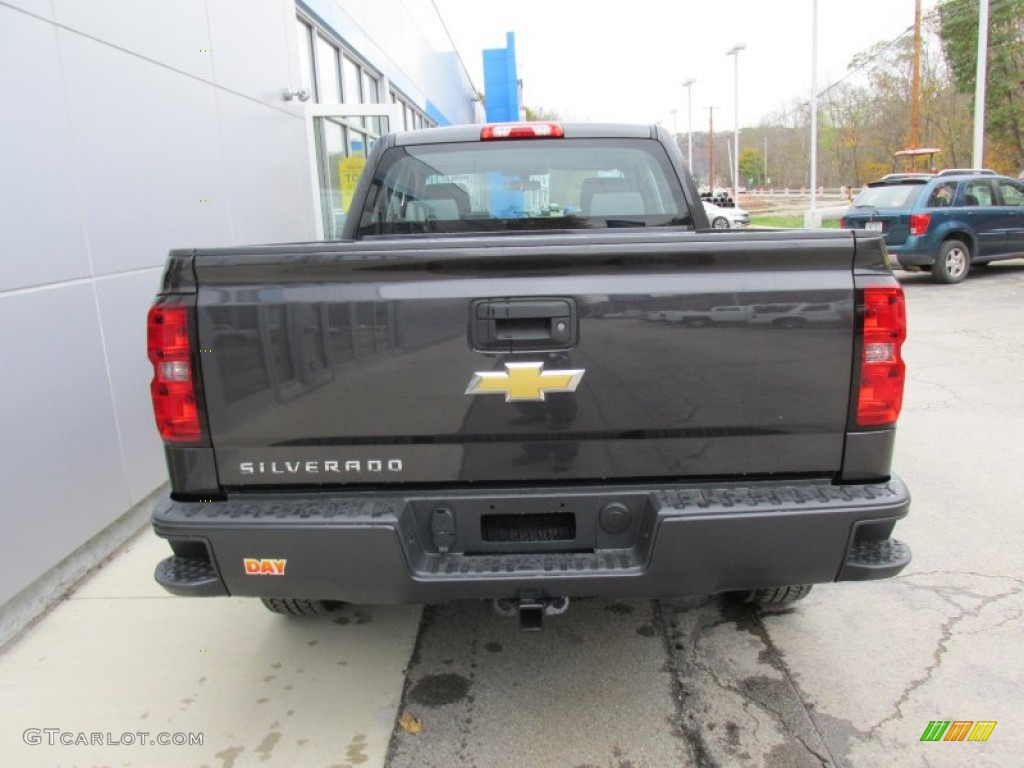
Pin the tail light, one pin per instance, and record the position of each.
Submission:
(882, 372)
(842, 223)
(521, 131)
(919, 223)
(170, 351)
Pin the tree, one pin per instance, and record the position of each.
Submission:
(541, 114)
(751, 167)
(1004, 92)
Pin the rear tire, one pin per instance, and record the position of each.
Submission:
(295, 607)
(720, 222)
(777, 595)
(953, 262)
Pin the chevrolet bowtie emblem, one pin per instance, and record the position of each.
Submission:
(523, 382)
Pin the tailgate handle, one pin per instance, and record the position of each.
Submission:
(508, 325)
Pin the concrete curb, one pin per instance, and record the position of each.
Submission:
(33, 602)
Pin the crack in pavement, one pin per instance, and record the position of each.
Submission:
(755, 692)
(942, 646)
(690, 733)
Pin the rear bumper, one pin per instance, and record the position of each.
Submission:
(609, 541)
(915, 251)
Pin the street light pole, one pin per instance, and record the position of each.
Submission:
(688, 85)
(978, 149)
(735, 53)
(811, 217)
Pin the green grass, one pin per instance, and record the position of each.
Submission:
(788, 222)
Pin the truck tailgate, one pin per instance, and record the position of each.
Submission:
(441, 360)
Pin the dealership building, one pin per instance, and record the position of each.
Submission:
(135, 127)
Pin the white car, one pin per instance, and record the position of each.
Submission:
(726, 218)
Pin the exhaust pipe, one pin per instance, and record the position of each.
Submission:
(530, 611)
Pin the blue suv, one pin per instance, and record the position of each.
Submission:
(947, 222)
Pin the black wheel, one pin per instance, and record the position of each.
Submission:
(295, 607)
(953, 262)
(777, 595)
(720, 222)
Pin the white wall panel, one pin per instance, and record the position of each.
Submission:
(61, 471)
(267, 170)
(124, 301)
(149, 154)
(173, 33)
(250, 40)
(42, 8)
(41, 219)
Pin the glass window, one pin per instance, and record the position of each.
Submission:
(351, 81)
(528, 184)
(978, 193)
(370, 88)
(378, 125)
(305, 56)
(358, 143)
(1013, 193)
(327, 72)
(942, 196)
(888, 196)
(333, 151)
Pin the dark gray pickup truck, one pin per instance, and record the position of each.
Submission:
(471, 395)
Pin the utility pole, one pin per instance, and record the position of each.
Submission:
(978, 154)
(711, 150)
(915, 86)
(765, 180)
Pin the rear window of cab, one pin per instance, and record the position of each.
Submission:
(522, 185)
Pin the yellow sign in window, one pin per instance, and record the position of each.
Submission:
(349, 170)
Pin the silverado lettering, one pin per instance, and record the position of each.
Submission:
(316, 467)
(733, 431)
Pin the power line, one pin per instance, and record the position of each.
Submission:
(848, 75)
(857, 69)
(957, 12)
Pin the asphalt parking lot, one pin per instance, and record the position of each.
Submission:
(851, 677)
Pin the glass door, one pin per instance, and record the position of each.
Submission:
(340, 139)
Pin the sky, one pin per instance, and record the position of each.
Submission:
(625, 61)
